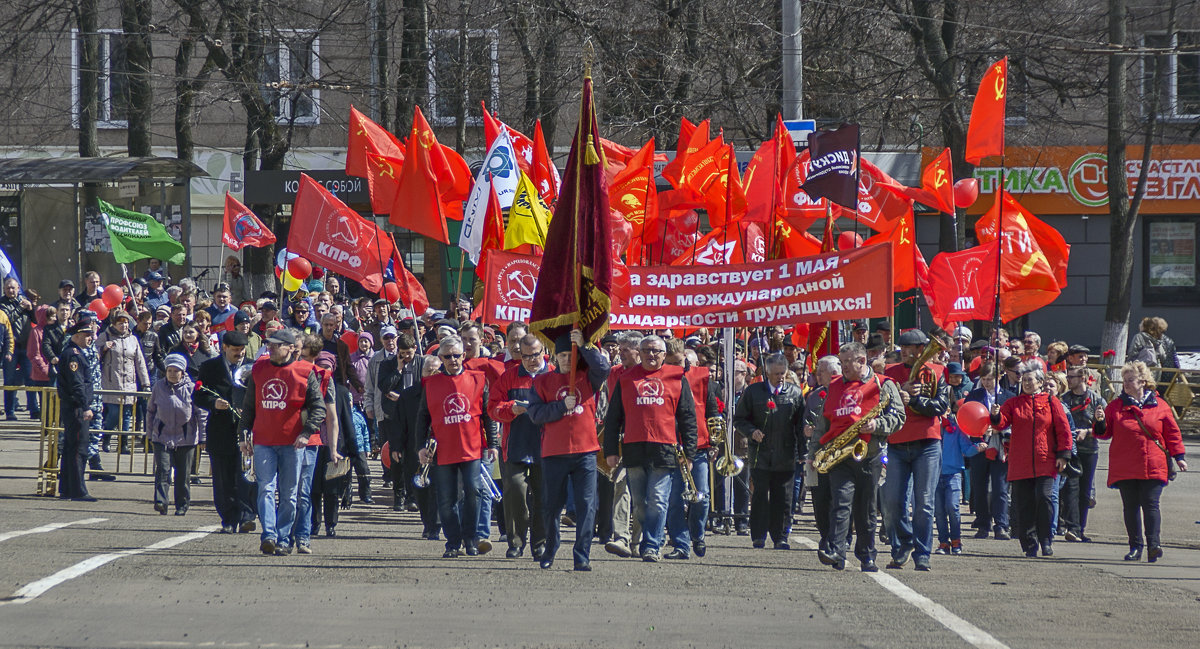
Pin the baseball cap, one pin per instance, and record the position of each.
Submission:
(65, 283)
(283, 336)
(386, 331)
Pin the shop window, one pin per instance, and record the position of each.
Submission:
(1170, 261)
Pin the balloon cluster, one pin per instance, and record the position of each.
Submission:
(292, 270)
(109, 299)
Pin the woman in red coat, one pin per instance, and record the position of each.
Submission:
(1137, 458)
(1038, 450)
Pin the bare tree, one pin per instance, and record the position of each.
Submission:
(139, 57)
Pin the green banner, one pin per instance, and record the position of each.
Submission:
(137, 236)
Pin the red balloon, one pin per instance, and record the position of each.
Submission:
(112, 296)
(98, 307)
(974, 419)
(391, 292)
(966, 192)
(385, 454)
(849, 240)
(300, 268)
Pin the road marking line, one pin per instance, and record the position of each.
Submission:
(49, 528)
(965, 630)
(31, 591)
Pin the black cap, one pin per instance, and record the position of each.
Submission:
(65, 283)
(234, 339)
(155, 276)
(283, 336)
(883, 325)
(979, 344)
(407, 323)
(142, 281)
(1078, 349)
(562, 343)
(269, 306)
(608, 339)
(912, 337)
(448, 322)
(82, 325)
(874, 342)
(240, 317)
(380, 302)
(860, 326)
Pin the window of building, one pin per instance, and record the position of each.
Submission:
(456, 82)
(290, 69)
(112, 79)
(412, 250)
(1170, 260)
(1179, 96)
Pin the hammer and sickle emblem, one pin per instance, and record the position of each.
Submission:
(426, 139)
(385, 168)
(1033, 259)
(940, 180)
(999, 83)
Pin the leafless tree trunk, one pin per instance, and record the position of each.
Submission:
(89, 66)
(139, 57)
(412, 69)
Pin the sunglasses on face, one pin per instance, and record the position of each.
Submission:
(450, 356)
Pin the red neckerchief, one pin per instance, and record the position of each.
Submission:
(1086, 402)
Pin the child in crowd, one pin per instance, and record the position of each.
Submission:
(955, 447)
(173, 424)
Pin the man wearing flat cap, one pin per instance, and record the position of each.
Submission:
(217, 390)
(914, 453)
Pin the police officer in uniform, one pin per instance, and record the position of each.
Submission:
(75, 392)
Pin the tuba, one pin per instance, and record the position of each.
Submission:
(923, 375)
(847, 444)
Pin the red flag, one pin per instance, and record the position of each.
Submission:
(575, 283)
(632, 193)
(985, 134)
(368, 137)
(721, 246)
(962, 285)
(493, 231)
(765, 175)
(792, 240)
(331, 235)
(909, 270)
(725, 200)
(418, 204)
(412, 292)
(1019, 221)
(823, 337)
(242, 227)
(545, 174)
(938, 180)
(383, 177)
(691, 140)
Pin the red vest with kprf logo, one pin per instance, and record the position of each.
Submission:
(916, 427)
(650, 400)
(280, 393)
(572, 433)
(847, 403)
(455, 409)
(697, 378)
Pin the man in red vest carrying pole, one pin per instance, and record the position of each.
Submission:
(282, 409)
(454, 413)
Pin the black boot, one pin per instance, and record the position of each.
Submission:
(1135, 553)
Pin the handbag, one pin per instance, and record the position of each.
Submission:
(337, 469)
(1171, 470)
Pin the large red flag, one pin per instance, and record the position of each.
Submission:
(633, 194)
(242, 227)
(691, 139)
(576, 278)
(383, 177)
(908, 264)
(412, 292)
(328, 233)
(418, 205)
(545, 174)
(368, 137)
(724, 199)
(962, 285)
(1020, 221)
(765, 175)
(985, 133)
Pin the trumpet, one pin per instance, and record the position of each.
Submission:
(690, 493)
(421, 480)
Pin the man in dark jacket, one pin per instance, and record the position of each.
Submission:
(404, 443)
(217, 391)
(16, 362)
(75, 394)
(771, 416)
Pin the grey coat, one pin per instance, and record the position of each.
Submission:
(123, 367)
(172, 416)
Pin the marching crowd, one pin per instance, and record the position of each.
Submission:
(491, 433)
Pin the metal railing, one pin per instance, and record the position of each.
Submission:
(1174, 383)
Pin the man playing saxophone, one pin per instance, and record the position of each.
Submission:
(872, 404)
(771, 415)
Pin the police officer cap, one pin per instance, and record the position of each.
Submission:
(81, 326)
(913, 337)
(234, 339)
(282, 336)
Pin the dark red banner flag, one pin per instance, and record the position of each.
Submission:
(242, 227)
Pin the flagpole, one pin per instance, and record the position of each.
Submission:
(412, 302)
(379, 256)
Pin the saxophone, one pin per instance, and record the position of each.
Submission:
(847, 444)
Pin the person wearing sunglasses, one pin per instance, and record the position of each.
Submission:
(454, 413)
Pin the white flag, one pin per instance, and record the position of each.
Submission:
(499, 172)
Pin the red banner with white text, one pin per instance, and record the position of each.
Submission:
(839, 285)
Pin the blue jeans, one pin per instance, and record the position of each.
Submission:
(277, 467)
(308, 467)
(945, 507)
(989, 493)
(919, 464)
(1058, 480)
(580, 468)
(684, 526)
(457, 521)
(649, 493)
(16, 372)
(484, 523)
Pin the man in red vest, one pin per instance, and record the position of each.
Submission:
(282, 409)
(454, 412)
(567, 415)
(850, 398)
(653, 405)
(914, 454)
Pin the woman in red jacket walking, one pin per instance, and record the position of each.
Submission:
(1038, 450)
(1143, 432)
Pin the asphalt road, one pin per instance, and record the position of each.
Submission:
(136, 579)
